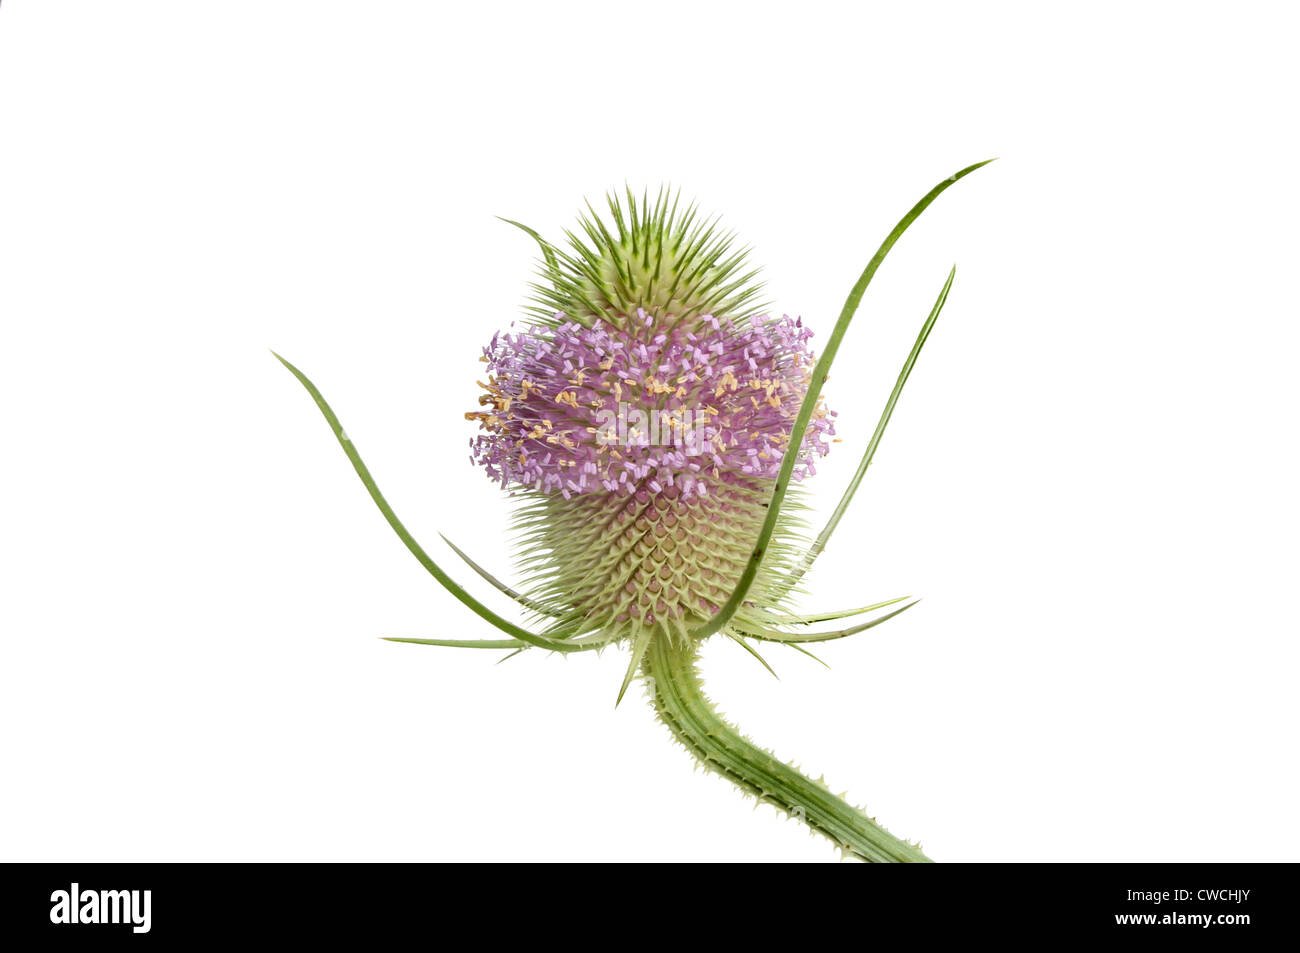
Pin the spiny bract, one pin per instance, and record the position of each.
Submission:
(644, 412)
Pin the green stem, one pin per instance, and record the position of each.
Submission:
(680, 701)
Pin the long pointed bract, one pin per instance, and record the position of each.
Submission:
(812, 617)
(416, 550)
(461, 643)
(733, 603)
(740, 640)
(771, 635)
(825, 535)
(639, 646)
(496, 583)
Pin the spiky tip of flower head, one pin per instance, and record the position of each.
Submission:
(646, 429)
(655, 257)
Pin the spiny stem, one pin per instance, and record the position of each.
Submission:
(678, 693)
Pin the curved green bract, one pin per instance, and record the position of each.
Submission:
(639, 646)
(578, 645)
(869, 454)
(818, 378)
(803, 651)
(781, 619)
(740, 640)
(772, 635)
(434, 570)
(462, 643)
(547, 251)
(496, 583)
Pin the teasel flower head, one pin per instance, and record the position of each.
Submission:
(655, 424)
(643, 422)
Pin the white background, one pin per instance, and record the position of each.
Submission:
(1091, 478)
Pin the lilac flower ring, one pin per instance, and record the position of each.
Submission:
(578, 410)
